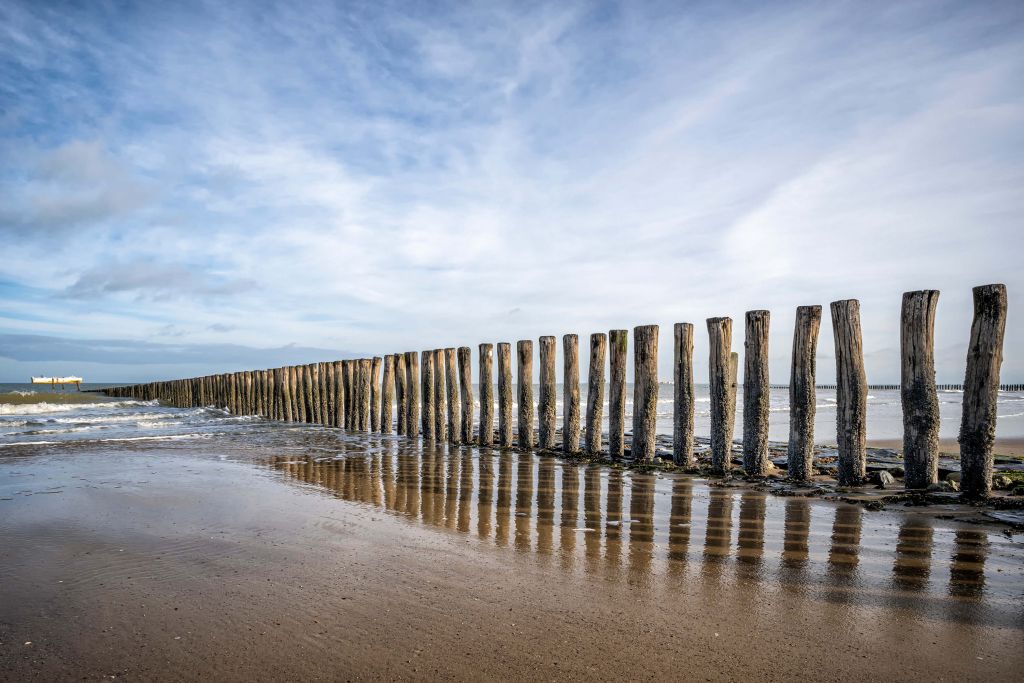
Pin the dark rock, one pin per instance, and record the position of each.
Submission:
(882, 479)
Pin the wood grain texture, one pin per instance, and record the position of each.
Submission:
(440, 397)
(364, 394)
(547, 398)
(918, 393)
(505, 436)
(645, 392)
(851, 392)
(452, 385)
(428, 395)
(486, 360)
(802, 394)
(387, 395)
(375, 394)
(756, 394)
(682, 395)
(719, 377)
(618, 341)
(524, 379)
(400, 394)
(570, 393)
(412, 381)
(981, 390)
(595, 392)
(466, 394)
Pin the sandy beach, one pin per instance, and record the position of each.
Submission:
(361, 559)
(1012, 447)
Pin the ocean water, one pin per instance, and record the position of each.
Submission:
(39, 416)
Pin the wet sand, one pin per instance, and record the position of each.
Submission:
(1005, 446)
(370, 560)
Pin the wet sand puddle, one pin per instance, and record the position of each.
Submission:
(648, 529)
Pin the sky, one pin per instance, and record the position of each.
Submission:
(198, 187)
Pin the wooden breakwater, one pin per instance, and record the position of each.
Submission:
(431, 393)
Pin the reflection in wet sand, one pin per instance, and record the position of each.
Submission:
(639, 526)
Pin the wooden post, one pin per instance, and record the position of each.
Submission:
(400, 394)
(314, 390)
(851, 392)
(524, 353)
(466, 393)
(595, 392)
(325, 394)
(645, 392)
(504, 394)
(486, 352)
(387, 395)
(339, 394)
(756, 394)
(802, 396)
(682, 404)
(570, 393)
(440, 416)
(375, 401)
(618, 340)
(364, 394)
(981, 390)
(918, 393)
(412, 381)
(308, 392)
(296, 399)
(719, 361)
(351, 395)
(546, 404)
(427, 392)
(286, 394)
(452, 383)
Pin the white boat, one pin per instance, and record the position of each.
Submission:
(57, 380)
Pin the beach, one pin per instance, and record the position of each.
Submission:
(240, 549)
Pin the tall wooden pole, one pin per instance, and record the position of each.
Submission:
(618, 341)
(339, 394)
(440, 397)
(595, 392)
(645, 392)
(981, 390)
(570, 393)
(524, 353)
(452, 384)
(428, 394)
(364, 392)
(387, 395)
(400, 394)
(546, 404)
(504, 394)
(851, 392)
(918, 393)
(682, 404)
(719, 361)
(486, 353)
(802, 395)
(466, 393)
(756, 394)
(412, 381)
(375, 397)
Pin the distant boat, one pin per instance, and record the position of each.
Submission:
(77, 381)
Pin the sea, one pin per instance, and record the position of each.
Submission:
(32, 416)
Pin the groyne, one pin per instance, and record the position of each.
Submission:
(431, 393)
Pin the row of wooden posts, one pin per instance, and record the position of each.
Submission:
(352, 394)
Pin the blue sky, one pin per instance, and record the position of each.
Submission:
(197, 187)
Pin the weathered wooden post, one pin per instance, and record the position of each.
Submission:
(350, 395)
(314, 385)
(504, 394)
(618, 340)
(339, 394)
(682, 409)
(524, 353)
(756, 394)
(387, 394)
(375, 401)
(293, 386)
(547, 399)
(412, 380)
(981, 390)
(851, 392)
(645, 392)
(802, 395)
(400, 394)
(452, 383)
(918, 393)
(570, 393)
(595, 392)
(326, 398)
(286, 395)
(486, 352)
(719, 361)
(439, 415)
(428, 391)
(466, 393)
(364, 394)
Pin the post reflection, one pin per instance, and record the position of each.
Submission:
(595, 519)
